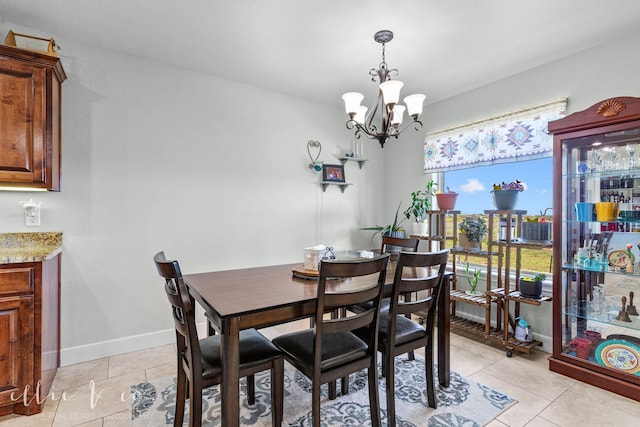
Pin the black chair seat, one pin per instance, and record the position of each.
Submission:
(406, 330)
(254, 350)
(337, 349)
(364, 306)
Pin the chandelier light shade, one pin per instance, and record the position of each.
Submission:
(386, 124)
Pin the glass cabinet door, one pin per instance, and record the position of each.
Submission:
(599, 268)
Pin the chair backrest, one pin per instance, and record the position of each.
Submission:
(425, 272)
(182, 310)
(394, 245)
(370, 291)
(400, 243)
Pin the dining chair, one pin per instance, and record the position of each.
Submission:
(394, 245)
(199, 362)
(331, 350)
(397, 334)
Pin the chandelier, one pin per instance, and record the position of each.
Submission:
(388, 123)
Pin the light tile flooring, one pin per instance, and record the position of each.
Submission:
(94, 394)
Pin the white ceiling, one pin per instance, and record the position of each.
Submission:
(319, 49)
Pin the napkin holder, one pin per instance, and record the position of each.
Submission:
(315, 254)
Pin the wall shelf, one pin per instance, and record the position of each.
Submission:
(345, 159)
(342, 185)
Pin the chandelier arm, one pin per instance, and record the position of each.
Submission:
(416, 122)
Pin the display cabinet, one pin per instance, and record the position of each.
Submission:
(596, 327)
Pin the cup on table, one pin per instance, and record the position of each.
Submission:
(606, 211)
(584, 211)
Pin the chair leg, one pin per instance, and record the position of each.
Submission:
(277, 391)
(374, 401)
(195, 403)
(390, 387)
(251, 389)
(344, 385)
(315, 403)
(428, 372)
(333, 392)
(181, 397)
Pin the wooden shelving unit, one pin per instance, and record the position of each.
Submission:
(507, 294)
(504, 295)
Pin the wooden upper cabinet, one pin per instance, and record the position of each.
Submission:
(30, 98)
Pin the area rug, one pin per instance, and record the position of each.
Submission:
(464, 403)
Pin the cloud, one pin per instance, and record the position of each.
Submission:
(472, 186)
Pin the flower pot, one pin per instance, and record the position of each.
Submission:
(505, 200)
(530, 289)
(446, 201)
(465, 243)
(420, 228)
(536, 231)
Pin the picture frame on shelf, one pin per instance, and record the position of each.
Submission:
(333, 173)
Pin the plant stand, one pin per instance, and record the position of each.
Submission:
(503, 295)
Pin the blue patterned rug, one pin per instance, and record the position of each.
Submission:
(464, 403)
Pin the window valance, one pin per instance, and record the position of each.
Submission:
(520, 135)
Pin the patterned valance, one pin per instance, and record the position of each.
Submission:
(520, 135)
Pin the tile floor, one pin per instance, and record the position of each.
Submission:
(94, 394)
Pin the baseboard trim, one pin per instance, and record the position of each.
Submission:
(102, 349)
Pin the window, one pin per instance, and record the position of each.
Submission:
(474, 186)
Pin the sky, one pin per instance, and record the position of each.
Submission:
(474, 185)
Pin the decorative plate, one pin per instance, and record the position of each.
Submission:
(619, 257)
(619, 354)
(303, 273)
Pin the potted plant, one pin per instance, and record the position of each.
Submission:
(394, 229)
(473, 281)
(531, 287)
(505, 195)
(446, 201)
(472, 230)
(420, 203)
(537, 228)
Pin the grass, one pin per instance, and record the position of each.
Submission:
(532, 260)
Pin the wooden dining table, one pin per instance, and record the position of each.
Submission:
(259, 297)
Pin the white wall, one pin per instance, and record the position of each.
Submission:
(585, 78)
(212, 172)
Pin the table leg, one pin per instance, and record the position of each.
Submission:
(230, 387)
(444, 327)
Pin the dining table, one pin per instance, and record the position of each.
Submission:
(260, 297)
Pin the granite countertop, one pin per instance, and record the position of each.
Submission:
(29, 247)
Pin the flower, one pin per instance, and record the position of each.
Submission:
(629, 246)
(513, 185)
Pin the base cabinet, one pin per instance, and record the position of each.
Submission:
(29, 334)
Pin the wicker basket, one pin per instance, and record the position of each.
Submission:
(465, 243)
